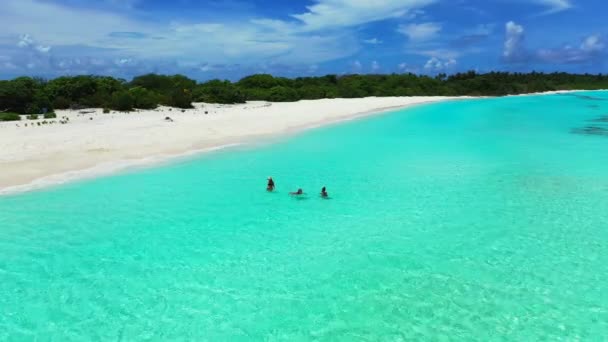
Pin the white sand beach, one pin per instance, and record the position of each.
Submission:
(93, 143)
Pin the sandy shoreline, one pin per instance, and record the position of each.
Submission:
(93, 143)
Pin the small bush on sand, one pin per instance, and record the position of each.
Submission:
(32, 117)
(50, 115)
(9, 117)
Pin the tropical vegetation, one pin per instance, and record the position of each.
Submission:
(26, 95)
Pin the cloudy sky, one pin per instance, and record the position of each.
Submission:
(230, 38)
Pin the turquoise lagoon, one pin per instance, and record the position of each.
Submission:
(468, 220)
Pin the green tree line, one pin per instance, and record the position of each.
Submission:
(25, 95)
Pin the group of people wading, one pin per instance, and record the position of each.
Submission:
(270, 188)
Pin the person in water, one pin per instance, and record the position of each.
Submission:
(270, 186)
(324, 193)
(297, 193)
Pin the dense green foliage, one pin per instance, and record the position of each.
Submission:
(9, 117)
(122, 100)
(217, 91)
(175, 91)
(26, 95)
(144, 98)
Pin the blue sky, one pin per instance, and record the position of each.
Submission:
(233, 38)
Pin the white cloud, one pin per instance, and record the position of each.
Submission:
(592, 43)
(481, 29)
(406, 68)
(420, 32)
(417, 13)
(51, 34)
(124, 61)
(205, 67)
(373, 41)
(590, 50)
(555, 5)
(325, 14)
(274, 25)
(257, 40)
(438, 65)
(356, 66)
(25, 41)
(375, 66)
(513, 48)
(43, 49)
(61, 25)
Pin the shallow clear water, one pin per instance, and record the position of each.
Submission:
(470, 220)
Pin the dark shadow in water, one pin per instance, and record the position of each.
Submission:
(591, 130)
(585, 97)
(600, 119)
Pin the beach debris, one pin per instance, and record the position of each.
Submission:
(168, 119)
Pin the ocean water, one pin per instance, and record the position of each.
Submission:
(468, 220)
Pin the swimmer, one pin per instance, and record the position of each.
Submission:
(324, 193)
(270, 186)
